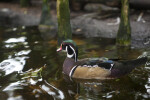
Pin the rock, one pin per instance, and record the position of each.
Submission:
(108, 27)
(93, 27)
(140, 34)
(11, 18)
(90, 25)
(140, 4)
(90, 7)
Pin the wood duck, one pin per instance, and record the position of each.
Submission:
(95, 68)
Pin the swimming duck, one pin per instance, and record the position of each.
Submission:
(95, 68)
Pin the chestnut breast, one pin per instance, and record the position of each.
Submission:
(68, 65)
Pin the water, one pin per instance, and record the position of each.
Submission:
(24, 51)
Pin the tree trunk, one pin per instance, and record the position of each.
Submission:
(124, 32)
(46, 15)
(24, 3)
(63, 17)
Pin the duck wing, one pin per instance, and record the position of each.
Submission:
(93, 68)
(96, 62)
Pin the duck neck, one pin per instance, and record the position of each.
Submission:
(72, 53)
(69, 63)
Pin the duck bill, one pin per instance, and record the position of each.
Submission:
(59, 49)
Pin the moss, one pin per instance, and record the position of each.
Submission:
(63, 17)
(24, 3)
(46, 16)
(124, 32)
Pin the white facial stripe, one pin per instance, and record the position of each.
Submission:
(74, 52)
(68, 55)
(66, 48)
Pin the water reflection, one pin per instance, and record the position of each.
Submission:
(54, 92)
(16, 40)
(17, 59)
(147, 86)
(13, 86)
(12, 65)
(25, 52)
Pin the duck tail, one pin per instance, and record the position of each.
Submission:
(136, 62)
(145, 55)
(124, 67)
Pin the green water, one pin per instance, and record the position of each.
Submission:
(24, 50)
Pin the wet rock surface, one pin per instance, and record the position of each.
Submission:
(107, 28)
(88, 24)
(11, 18)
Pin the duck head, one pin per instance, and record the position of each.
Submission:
(70, 47)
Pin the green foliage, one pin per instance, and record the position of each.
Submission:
(117, 80)
(32, 74)
(24, 3)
